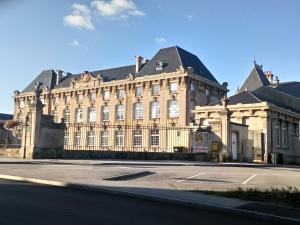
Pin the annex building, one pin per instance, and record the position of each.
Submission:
(146, 106)
(259, 123)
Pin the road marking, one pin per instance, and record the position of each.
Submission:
(191, 177)
(246, 181)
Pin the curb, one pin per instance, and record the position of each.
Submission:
(168, 200)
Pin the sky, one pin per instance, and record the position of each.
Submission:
(80, 35)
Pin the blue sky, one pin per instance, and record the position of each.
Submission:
(92, 34)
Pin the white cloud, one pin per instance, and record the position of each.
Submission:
(80, 17)
(160, 40)
(189, 17)
(116, 9)
(74, 43)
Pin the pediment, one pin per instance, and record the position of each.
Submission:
(86, 80)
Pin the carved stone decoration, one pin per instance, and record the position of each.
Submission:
(181, 69)
(85, 77)
(46, 88)
(16, 92)
(131, 77)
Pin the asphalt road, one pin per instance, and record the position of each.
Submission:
(31, 204)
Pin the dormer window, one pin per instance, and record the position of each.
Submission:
(159, 65)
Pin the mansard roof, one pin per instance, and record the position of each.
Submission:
(46, 78)
(255, 80)
(4, 116)
(290, 88)
(172, 58)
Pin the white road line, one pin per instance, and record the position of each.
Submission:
(191, 177)
(246, 181)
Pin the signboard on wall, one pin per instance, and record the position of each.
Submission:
(200, 141)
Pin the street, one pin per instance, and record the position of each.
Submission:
(30, 204)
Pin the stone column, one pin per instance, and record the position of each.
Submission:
(225, 131)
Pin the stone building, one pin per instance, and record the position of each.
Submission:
(271, 112)
(156, 92)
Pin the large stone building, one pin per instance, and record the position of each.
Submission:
(260, 122)
(156, 92)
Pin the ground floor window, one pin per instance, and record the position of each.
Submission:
(91, 138)
(137, 137)
(77, 139)
(284, 134)
(119, 138)
(277, 134)
(66, 138)
(154, 137)
(104, 138)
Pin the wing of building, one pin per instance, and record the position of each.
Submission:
(271, 112)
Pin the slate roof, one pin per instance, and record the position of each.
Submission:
(173, 58)
(46, 78)
(255, 80)
(118, 73)
(4, 116)
(290, 88)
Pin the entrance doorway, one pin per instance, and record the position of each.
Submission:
(234, 139)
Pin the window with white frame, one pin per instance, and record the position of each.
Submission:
(68, 100)
(80, 99)
(277, 133)
(155, 89)
(66, 138)
(55, 116)
(173, 108)
(120, 112)
(138, 91)
(154, 137)
(137, 137)
(104, 138)
(56, 100)
(173, 87)
(79, 115)
(106, 95)
(120, 93)
(92, 114)
(119, 135)
(138, 110)
(155, 110)
(93, 96)
(67, 115)
(284, 134)
(77, 138)
(105, 113)
(21, 103)
(91, 138)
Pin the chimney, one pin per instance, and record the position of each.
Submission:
(59, 74)
(138, 63)
(269, 76)
(276, 80)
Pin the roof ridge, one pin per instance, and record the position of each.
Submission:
(254, 96)
(176, 47)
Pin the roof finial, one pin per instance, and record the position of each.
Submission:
(237, 90)
(254, 60)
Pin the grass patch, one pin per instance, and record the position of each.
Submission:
(289, 196)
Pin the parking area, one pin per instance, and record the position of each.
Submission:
(162, 175)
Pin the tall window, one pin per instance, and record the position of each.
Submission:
(66, 138)
(56, 100)
(155, 110)
(21, 104)
(93, 96)
(137, 137)
(68, 100)
(173, 87)
(154, 138)
(105, 113)
(104, 138)
(138, 110)
(119, 138)
(277, 133)
(55, 116)
(120, 93)
(42, 99)
(106, 95)
(173, 108)
(67, 116)
(284, 134)
(77, 139)
(79, 115)
(91, 138)
(92, 114)
(155, 89)
(138, 91)
(120, 112)
(79, 99)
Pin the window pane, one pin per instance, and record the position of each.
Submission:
(137, 137)
(93, 96)
(119, 138)
(79, 116)
(104, 138)
(155, 110)
(120, 112)
(91, 138)
(106, 95)
(105, 113)
(138, 111)
(173, 108)
(67, 116)
(79, 99)
(68, 100)
(92, 114)
(138, 91)
(154, 137)
(155, 89)
(120, 93)
(173, 87)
